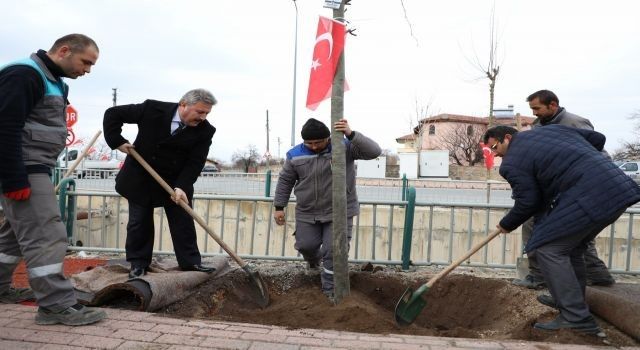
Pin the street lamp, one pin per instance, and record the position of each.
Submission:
(295, 66)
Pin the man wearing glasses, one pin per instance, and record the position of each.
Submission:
(307, 171)
(559, 175)
(545, 105)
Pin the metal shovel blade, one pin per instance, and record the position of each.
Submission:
(410, 305)
(256, 279)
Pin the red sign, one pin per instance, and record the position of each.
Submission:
(71, 137)
(72, 116)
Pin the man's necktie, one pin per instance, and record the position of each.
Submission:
(180, 127)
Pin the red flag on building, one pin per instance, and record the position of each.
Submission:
(488, 155)
(326, 53)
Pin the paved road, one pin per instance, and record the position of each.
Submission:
(254, 186)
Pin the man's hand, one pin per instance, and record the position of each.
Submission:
(180, 195)
(20, 195)
(343, 125)
(278, 216)
(502, 229)
(124, 148)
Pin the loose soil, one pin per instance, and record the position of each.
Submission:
(459, 305)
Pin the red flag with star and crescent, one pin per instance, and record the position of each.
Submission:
(326, 53)
(488, 155)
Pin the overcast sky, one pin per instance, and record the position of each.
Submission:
(585, 51)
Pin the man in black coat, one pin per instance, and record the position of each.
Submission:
(174, 138)
(559, 174)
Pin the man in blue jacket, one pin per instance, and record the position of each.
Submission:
(545, 105)
(559, 175)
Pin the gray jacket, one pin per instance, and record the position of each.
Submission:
(568, 119)
(565, 118)
(309, 176)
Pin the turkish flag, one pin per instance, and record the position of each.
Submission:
(488, 156)
(326, 53)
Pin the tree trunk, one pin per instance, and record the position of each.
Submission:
(492, 87)
(339, 192)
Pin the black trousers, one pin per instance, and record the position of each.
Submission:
(140, 235)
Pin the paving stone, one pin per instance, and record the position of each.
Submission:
(137, 345)
(93, 341)
(219, 343)
(131, 334)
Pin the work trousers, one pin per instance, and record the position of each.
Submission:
(140, 235)
(33, 231)
(596, 268)
(315, 242)
(562, 264)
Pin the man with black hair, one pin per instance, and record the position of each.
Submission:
(546, 107)
(307, 172)
(33, 132)
(559, 175)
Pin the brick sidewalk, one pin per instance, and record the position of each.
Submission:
(140, 330)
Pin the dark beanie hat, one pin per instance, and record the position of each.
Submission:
(314, 129)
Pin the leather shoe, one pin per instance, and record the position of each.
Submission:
(198, 268)
(588, 326)
(547, 300)
(137, 271)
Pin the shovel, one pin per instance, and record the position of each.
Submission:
(411, 303)
(254, 276)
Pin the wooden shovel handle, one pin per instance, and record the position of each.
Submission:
(186, 207)
(466, 256)
(80, 158)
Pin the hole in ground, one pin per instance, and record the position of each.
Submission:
(457, 306)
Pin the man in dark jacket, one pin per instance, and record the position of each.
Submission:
(174, 138)
(559, 174)
(545, 105)
(307, 171)
(33, 99)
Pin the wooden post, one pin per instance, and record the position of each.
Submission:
(340, 244)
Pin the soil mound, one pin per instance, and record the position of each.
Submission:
(459, 305)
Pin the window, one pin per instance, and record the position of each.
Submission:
(630, 167)
(432, 129)
(469, 130)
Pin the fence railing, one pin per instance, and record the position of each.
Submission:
(394, 232)
(263, 184)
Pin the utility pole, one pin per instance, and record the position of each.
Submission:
(279, 143)
(295, 68)
(115, 96)
(267, 154)
(341, 287)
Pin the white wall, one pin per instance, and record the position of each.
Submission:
(374, 168)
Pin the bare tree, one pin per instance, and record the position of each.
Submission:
(491, 68)
(246, 158)
(462, 141)
(421, 124)
(630, 149)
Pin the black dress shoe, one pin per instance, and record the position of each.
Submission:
(547, 300)
(137, 271)
(588, 326)
(198, 268)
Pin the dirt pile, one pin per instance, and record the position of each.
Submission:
(459, 305)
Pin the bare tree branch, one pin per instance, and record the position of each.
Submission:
(491, 69)
(406, 17)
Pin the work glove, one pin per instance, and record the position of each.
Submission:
(19, 195)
